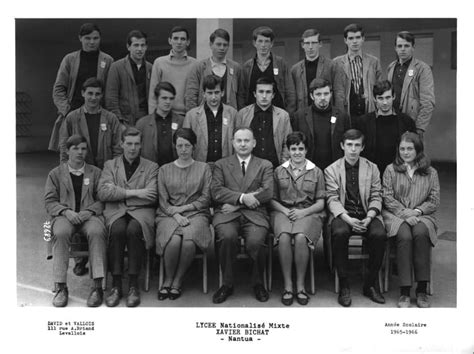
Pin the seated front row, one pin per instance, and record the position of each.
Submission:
(241, 186)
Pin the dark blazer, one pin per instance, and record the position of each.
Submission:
(228, 184)
(366, 124)
(303, 121)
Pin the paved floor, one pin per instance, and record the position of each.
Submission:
(34, 271)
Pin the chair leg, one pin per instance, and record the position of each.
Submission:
(265, 277)
(336, 281)
(147, 270)
(270, 264)
(204, 272)
(162, 273)
(220, 275)
(430, 284)
(386, 266)
(311, 271)
(104, 282)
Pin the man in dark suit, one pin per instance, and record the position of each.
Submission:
(241, 186)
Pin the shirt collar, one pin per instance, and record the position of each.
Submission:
(311, 61)
(308, 165)
(378, 114)
(85, 110)
(247, 160)
(173, 54)
(79, 171)
(133, 63)
(158, 116)
(259, 109)
(407, 63)
(135, 162)
(348, 165)
(352, 57)
(214, 63)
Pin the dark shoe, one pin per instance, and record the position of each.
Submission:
(133, 297)
(374, 295)
(260, 293)
(61, 297)
(287, 298)
(344, 297)
(422, 300)
(80, 268)
(114, 297)
(222, 294)
(404, 301)
(163, 293)
(96, 297)
(174, 293)
(302, 298)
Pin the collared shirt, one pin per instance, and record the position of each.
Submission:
(130, 168)
(164, 136)
(353, 202)
(246, 165)
(399, 73)
(173, 55)
(78, 172)
(311, 67)
(214, 133)
(262, 126)
(296, 171)
(139, 75)
(356, 73)
(219, 68)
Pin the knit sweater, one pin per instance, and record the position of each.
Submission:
(168, 68)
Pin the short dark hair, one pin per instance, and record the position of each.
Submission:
(319, 83)
(264, 81)
(422, 162)
(352, 134)
(408, 36)
(185, 133)
(88, 28)
(295, 138)
(75, 140)
(164, 86)
(380, 87)
(310, 32)
(242, 127)
(179, 29)
(211, 82)
(93, 82)
(219, 33)
(263, 31)
(354, 27)
(131, 131)
(136, 34)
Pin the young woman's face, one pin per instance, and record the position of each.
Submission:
(297, 153)
(407, 151)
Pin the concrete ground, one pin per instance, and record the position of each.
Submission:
(34, 272)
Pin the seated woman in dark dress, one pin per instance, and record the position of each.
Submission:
(298, 212)
(411, 198)
(182, 220)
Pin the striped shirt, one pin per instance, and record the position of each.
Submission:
(356, 73)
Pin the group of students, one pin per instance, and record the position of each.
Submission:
(163, 171)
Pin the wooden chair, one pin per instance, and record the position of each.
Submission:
(391, 255)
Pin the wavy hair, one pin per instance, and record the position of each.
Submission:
(422, 162)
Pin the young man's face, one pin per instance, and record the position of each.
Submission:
(297, 153)
(404, 49)
(384, 102)
(311, 47)
(137, 48)
(213, 97)
(354, 41)
(77, 153)
(92, 97)
(90, 42)
(179, 42)
(219, 48)
(131, 147)
(243, 142)
(263, 45)
(164, 101)
(321, 97)
(264, 95)
(352, 149)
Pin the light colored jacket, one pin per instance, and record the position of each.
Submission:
(370, 187)
(298, 76)
(196, 120)
(281, 127)
(108, 145)
(417, 99)
(112, 191)
(234, 90)
(371, 73)
(121, 96)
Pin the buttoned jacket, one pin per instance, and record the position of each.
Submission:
(371, 73)
(113, 186)
(370, 187)
(234, 90)
(109, 139)
(196, 120)
(298, 76)
(229, 183)
(149, 130)
(281, 73)
(417, 98)
(121, 95)
(281, 127)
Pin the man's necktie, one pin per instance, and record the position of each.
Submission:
(243, 168)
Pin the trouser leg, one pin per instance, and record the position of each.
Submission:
(340, 233)
(404, 242)
(62, 233)
(117, 244)
(421, 252)
(228, 244)
(376, 238)
(95, 232)
(135, 246)
(255, 246)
